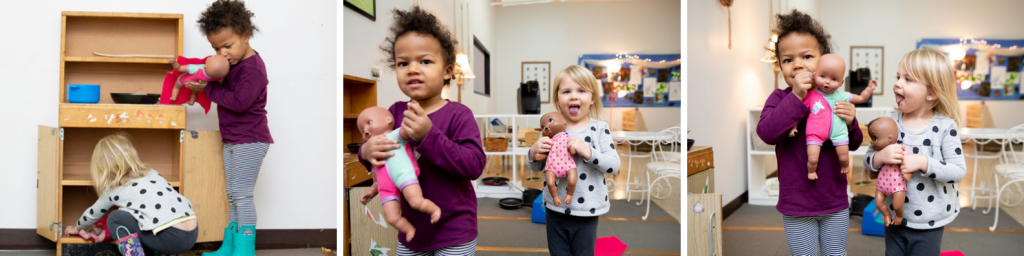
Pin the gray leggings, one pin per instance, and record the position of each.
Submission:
(242, 166)
(169, 241)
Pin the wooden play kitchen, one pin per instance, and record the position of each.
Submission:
(191, 161)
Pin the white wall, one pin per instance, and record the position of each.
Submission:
(561, 32)
(299, 45)
(722, 83)
(898, 25)
(364, 38)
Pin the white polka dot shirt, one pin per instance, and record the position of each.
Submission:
(591, 196)
(931, 200)
(150, 199)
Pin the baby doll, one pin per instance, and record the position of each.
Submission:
(891, 181)
(98, 233)
(399, 172)
(823, 124)
(215, 68)
(559, 160)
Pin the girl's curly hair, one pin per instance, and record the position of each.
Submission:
(419, 21)
(800, 22)
(227, 13)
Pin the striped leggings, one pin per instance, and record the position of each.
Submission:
(242, 166)
(825, 232)
(462, 249)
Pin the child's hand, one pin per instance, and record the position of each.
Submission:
(196, 86)
(541, 148)
(892, 154)
(913, 163)
(372, 192)
(792, 132)
(803, 83)
(416, 121)
(578, 147)
(375, 149)
(71, 230)
(847, 111)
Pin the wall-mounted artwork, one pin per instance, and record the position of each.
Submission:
(648, 80)
(872, 58)
(994, 72)
(540, 71)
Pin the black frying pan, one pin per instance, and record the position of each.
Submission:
(511, 203)
(128, 98)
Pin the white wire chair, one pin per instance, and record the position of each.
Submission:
(664, 164)
(1010, 168)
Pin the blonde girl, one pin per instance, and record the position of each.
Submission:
(572, 227)
(928, 117)
(148, 206)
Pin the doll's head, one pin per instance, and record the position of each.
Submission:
(883, 132)
(551, 124)
(830, 73)
(373, 121)
(217, 66)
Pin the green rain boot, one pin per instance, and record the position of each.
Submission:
(228, 244)
(245, 245)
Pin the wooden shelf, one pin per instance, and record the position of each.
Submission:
(123, 15)
(84, 179)
(350, 116)
(151, 116)
(117, 60)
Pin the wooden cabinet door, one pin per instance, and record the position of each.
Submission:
(204, 182)
(702, 238)
(47, 187)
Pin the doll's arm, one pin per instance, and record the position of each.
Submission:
(864, 95)
(95, 212)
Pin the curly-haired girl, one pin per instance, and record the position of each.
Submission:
(241, 98)
(443, 133)
(815, 212)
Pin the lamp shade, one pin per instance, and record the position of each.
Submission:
(462, 63)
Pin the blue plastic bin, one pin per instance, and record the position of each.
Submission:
(872, 223)
(83, 93)
(537, 215)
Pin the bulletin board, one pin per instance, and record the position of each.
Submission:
(994, 74)
(644, 86)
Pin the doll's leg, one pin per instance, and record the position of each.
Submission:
(393, 214)
(880, 204)
(414, 195)
(192, 99)
(571, 187)
(175, 90)
(844, 157)
(897, 205)
(812, 161)
(552, 188)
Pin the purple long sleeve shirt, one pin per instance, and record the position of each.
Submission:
(241, 102)
(799, 196)
(450, 157)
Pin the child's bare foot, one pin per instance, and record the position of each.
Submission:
(812, 176)
(568, 199)
(410, 234)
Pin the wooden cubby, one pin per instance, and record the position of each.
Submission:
(192, 161)
(359, 94)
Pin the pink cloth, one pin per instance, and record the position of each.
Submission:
(385, 186)
(185, 93)
(819, 122)
(890, 179)
(559, 161)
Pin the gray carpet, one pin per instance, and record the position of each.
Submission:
(282, 252)
(754, 242)
(638, 235)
